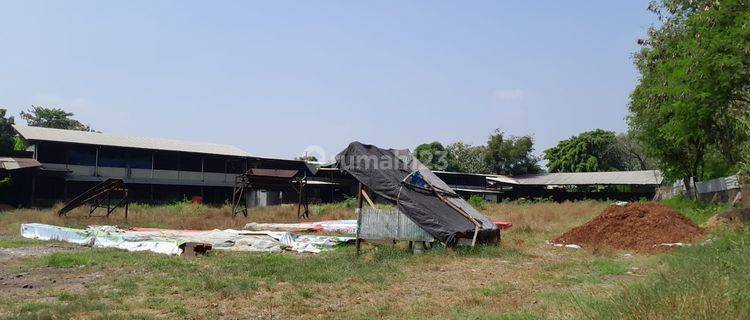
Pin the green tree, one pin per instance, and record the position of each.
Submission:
(631, 154)
(467, 158)
(7, 134)
(20, 144)
(52, 118)
(434, 156)
(745, 163)
(591, 151)
(511, 155)
(694, 87)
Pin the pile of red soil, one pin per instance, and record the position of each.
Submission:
(640, 227)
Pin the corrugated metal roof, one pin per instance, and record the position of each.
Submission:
(12, 163)
(503, 179)
(115, 140)
(644, 177)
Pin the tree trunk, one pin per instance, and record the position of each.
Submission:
(688, 188)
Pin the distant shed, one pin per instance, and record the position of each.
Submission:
(616, 185)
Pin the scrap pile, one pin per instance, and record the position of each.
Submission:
(640, 227)
(172, 242)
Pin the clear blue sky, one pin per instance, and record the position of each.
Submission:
(275, 77)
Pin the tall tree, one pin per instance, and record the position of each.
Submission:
(694, 87)
(434, 156)
(468, 158)
(7, 134)
(631, 154)
(52, 118)
(511, 155)
(590, 151)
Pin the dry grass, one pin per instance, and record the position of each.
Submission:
(523, 278)
(183, 215)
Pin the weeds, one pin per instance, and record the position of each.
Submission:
(17, 243)
(698, 212)
(478, 202)
(520, 279)
(701, 282)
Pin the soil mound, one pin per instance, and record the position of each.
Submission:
(640, 227)
(730, 219)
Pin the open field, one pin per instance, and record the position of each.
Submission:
(523, 278)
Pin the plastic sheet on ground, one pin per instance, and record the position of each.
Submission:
(166, 241)
(332, 226)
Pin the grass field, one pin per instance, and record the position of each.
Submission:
(522, 278)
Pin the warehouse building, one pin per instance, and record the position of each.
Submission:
(61, 164)
(155, 170)
(615, 185)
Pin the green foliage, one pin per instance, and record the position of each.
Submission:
(631, 154)
(532, 201)
(6, 182)
(697, 211)
(52, 118)
(7, 133)
(477, 202)
(350, 202)
(597, 150)
(694, 87)
(587, 152)
(20, 144)
(502, 155)
(434, 156)
(744, 168)
(467, 158)
(511, 155)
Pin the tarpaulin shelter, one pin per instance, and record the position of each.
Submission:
(397, 176)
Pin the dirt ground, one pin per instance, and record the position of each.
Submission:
(641, 227)
(523, 278)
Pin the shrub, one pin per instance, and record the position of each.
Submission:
(478, 202)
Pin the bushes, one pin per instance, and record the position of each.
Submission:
(698, 212)
(478, 202)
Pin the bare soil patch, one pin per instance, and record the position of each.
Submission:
(23, 252)
(640, 227)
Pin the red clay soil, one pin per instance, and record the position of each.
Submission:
(639, 227)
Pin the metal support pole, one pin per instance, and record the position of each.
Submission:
(358, 241)
(96, 163)
(127, 204)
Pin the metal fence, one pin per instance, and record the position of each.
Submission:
(389, 225)
(726, 189)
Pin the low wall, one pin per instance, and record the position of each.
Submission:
(724, 189)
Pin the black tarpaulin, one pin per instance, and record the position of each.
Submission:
(384, 171)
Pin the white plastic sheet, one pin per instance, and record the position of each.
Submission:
(334, 226)
(166, 241)
(99, 237)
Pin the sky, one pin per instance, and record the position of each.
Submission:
(281, 78)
